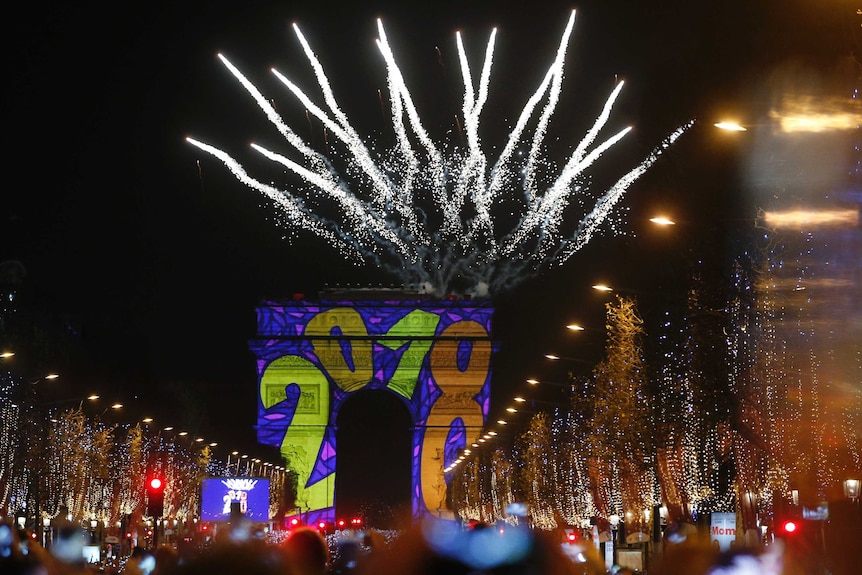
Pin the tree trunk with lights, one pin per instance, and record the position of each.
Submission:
(622, 423)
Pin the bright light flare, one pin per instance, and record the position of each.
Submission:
(804, 113)
(808, 219)
(730, 127)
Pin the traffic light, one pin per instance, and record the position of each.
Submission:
(789, 527)
(155, 496)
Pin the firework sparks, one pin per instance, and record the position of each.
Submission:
(425, 211)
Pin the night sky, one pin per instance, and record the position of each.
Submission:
(159, 261)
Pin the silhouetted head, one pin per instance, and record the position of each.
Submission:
(307, 551)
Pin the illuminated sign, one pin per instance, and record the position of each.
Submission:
(722, 529)
(248, 495)
(434, 355)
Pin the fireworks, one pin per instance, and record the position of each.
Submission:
(424, 211)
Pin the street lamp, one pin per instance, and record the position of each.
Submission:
(730, 127)
(662, 221)
(555, 357)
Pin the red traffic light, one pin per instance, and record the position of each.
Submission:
(155, 495)
(789, 527)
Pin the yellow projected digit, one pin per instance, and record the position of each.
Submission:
(334, 353)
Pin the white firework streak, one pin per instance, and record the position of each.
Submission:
(473, 177)
(296, 214)
(547, 112)
(320, 175)
(589, 225)
(436, 164)
(416, 183)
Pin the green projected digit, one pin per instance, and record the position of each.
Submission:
(305, 435)
(417, 323)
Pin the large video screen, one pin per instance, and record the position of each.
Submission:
(251, 494)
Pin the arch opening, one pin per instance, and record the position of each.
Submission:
(373, 476)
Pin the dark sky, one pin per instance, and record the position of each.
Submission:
(162, 263)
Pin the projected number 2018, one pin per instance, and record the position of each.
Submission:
(439, 373)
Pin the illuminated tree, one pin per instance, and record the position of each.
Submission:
(473, 489)
(573, 502)
(621, 444)
(12, 477)
(538, 479)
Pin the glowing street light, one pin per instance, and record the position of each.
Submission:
(662, 221)
(554, 357)
(602, 287)
(730, 127)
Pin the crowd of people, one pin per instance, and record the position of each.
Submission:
(428, 548)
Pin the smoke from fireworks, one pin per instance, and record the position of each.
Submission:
(424, 212)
